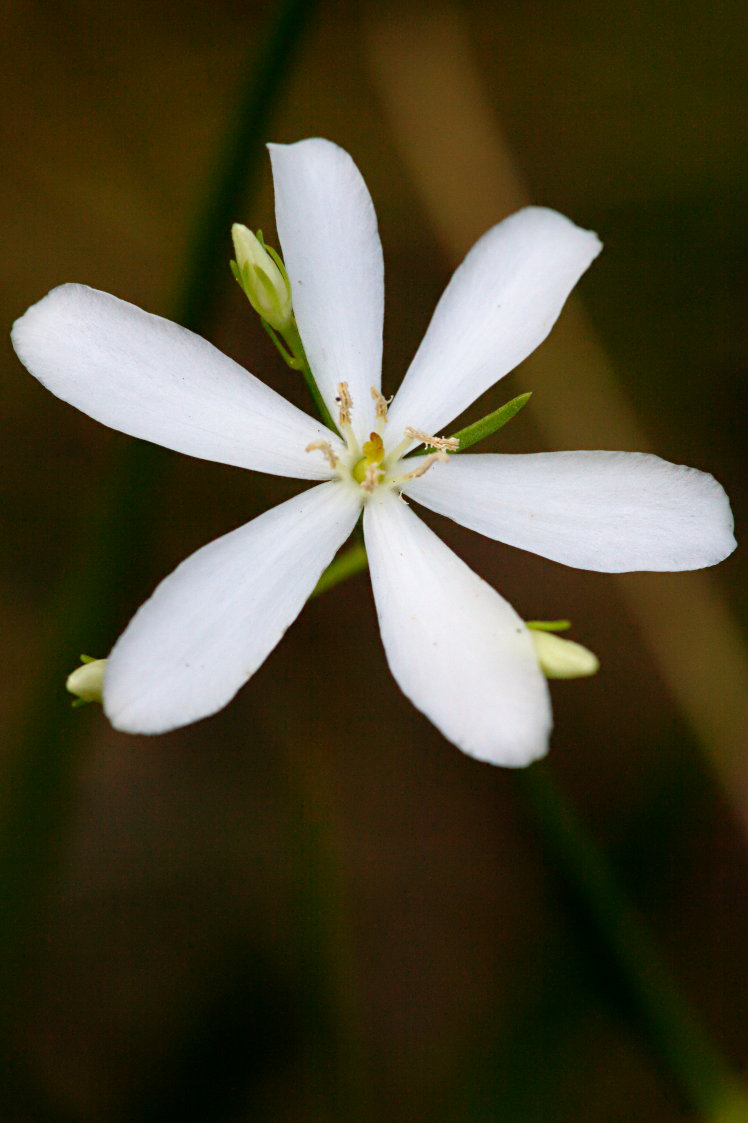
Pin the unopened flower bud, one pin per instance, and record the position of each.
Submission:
(562, 658)
(87, 681)
(262, 276)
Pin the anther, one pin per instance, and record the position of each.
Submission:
(425, 463)
(326, 449)
(380, 402)
(446, 444)
(345, 404)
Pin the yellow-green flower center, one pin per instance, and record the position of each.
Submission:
(373, 451)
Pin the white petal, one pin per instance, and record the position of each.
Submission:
(457, 649)
(607, 511)
(151, 378)
(331, 249)
(214, 620)
(499, 306)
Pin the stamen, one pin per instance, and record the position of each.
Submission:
(381, 403)
(326, 449)
(371, 478)
(447, 444)
(345, 404)
(424, 464)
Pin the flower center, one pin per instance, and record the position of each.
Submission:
(372, 465)
(373, 451)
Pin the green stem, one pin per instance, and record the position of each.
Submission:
(335, 1068)
(695, 1061)
(241, 159)
(46, 751)
(293, 340)
(348, 564)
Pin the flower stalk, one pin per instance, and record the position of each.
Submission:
(699, 1069)
(300, 362)
(348, 564)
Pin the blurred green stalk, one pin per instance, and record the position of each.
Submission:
(702, 1074)
(335, 1071)
(47, 750)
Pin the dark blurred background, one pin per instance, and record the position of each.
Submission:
(311, 907)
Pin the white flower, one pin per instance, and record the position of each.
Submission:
(457, 649)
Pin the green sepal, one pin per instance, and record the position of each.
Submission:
(276, 258)
(549, 625)
(265, 281)
(279, 262)
(487, 425)
(89, 658)
(241, 276)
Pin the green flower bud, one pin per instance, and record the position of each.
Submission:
(87, 681)
(562, 658)
(263, 278)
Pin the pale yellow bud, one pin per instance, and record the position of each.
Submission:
(562, 658)
(87, 681)
(262, 277)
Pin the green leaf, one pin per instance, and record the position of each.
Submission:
(487, 425)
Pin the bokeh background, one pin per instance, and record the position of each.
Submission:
(311, 907)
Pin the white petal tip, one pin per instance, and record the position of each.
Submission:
(555, 220)
(508, 756)
(32, 320)
(134, 720)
